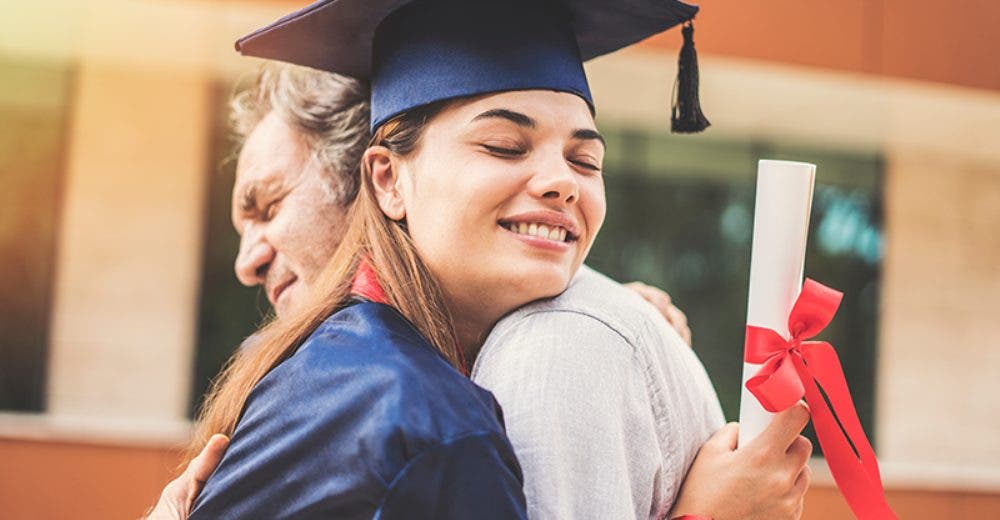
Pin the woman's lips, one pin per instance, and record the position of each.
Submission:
(529, 222)
(539, 242)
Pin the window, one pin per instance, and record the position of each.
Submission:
(33, 108)
(680, 216)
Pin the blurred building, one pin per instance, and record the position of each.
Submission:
(118, 303)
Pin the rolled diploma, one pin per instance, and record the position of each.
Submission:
(780, 228)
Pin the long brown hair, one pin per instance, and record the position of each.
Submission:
(408, 284)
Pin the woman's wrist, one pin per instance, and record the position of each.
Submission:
(685, 509)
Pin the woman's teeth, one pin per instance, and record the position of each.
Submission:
(539, 230)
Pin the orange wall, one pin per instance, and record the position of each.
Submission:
(42, 480)
(953, 42)
(57, 480)
(823, 502)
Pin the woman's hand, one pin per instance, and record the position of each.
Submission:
(663, 303)
(179, 495)
(766, 479)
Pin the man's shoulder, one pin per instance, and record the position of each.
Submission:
(596, 319)
(595, 323)
(590, 297)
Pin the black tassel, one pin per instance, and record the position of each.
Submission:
(686, 116)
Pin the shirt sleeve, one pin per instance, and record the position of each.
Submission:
(475, 476)
(578, 415)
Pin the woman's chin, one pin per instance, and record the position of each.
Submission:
(542, 285)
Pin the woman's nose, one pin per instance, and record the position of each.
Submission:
(254, 258)
(555, 181)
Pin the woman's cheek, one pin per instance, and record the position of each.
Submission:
(594, 205)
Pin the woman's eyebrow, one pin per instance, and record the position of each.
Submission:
(586, 133)
(523, 120)
(510, 115)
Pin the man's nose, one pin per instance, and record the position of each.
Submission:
(253, 259)
(556, 181)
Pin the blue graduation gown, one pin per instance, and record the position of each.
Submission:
(366, 420)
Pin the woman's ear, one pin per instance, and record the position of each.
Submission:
(385, 177)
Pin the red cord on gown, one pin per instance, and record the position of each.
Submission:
(366, 285)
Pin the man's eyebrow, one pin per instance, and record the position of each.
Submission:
(248, 199)
(584, 133)
(259, 191)
(510, 115)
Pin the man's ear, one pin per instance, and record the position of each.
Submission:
(385, 177)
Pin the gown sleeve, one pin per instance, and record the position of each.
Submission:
(473, 476)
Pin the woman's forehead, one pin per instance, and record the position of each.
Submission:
(538, 108)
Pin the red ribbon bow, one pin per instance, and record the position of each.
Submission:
(792, 368)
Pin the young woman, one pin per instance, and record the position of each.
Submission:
(473, 203)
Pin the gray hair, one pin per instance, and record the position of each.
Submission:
(331, 112)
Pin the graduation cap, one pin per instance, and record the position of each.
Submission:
(416, 52)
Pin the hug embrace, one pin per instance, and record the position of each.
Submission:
(419, 209)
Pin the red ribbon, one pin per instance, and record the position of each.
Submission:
(792, 368)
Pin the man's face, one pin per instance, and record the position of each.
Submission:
(286, 212)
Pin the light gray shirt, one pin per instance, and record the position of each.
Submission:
(605, 405)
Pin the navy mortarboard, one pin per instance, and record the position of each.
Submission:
(422, 51)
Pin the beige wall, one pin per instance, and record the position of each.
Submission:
(129, 249)
(128, 253)
(939, 350)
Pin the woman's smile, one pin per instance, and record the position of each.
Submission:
(548, 230)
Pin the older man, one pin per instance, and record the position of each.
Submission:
(303, 133)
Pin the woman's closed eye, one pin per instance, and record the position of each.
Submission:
(587, 163)
(504, 150)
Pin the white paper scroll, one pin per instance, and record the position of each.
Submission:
(780, 228)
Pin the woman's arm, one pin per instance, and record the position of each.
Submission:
(474, 476)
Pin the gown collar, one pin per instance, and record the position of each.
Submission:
(366, 284)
